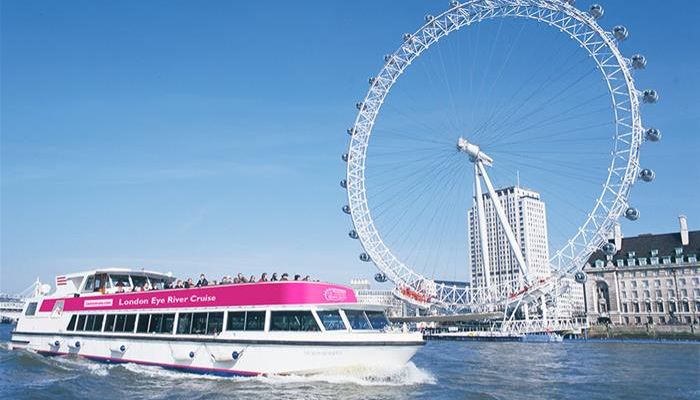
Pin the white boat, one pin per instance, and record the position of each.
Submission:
(289, 327)
(542, 337)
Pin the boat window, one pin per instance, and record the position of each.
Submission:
(109, 324)
(89, 323)
(89, 284)
(293, 321)
(236, 321)
(156, 323)
(120, 279)
(97, 326)
(71, 323)
(142, 326)
(130, 322)
(31, 309)
(119, 325)
(331, 320)
(377, 319)
(216, 323)
(357, 319)
(161, 323)
(255, 321)
(184, 323)
(138, 280)
(199, 323)
(101, 282)
(81, 323)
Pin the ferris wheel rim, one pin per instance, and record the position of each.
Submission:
(628, 129)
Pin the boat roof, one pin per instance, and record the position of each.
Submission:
(120, 271)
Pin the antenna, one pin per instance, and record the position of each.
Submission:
(517, 179)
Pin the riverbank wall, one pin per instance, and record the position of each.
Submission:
(671, 332)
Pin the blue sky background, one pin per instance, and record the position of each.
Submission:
(206, 136)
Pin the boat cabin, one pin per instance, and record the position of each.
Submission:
(110, 280)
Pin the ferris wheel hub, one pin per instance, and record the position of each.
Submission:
(473, 151)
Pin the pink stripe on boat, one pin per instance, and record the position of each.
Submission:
(251, 294)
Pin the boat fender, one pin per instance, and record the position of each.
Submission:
(191, 354)
(234, 355)
(76, 344)
(122, 348)
(55, 343)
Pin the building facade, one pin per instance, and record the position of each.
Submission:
(526, 215)
(650, 279)
(384, 297)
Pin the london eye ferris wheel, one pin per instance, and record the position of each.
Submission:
(531, 93)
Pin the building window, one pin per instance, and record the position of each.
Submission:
(624, 295)
(667, 260)
(692, 258)
(642, 261)
(647, 307)
(654, 260)
(669, 282)
(657, 283)
(599, 263)
(660, 307)
(658, 294)
(622, 284)
(627, 320)
(624, 308)
(636, 307)
(637, 320)
(679, 251)
(650, 320)
(631, 262)
(620, 262)
(645, 284)
(654, 252)
(681, 281)
(684, 292)
(631, 254)
(662, 320)
(646, 294)
(634, 284)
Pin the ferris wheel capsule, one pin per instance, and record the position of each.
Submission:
(360, 106)
(632, 214)
(365, 257)
(647, 175)
(380, 277)
(372, 80)
(353, 234)
(596, 11)
(650, 96)
(639, 61)
(609, 249)
(429, 18)
(652, 134)
(344, 183)
(389, 58)
(344, 157)
(455, 3)
(407, 37)
(580, 277)
(351, 131)
(346, 209)
(570, 2)
(620, 33)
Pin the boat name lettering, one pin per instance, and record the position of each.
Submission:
(167, 300)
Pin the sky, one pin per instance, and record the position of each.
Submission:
(206, 136)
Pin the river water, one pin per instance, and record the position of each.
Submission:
(441, 370)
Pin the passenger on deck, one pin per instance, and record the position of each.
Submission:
(188, 283)
(236, 280)
(179, 284)
(202, 281)
(297, 277)
(285, 277)
(242, 278)
(252, 279)
(274, 277)
(306, 278)
(263, 277)
(120, 287)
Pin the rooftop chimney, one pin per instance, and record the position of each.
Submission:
(684, 229)
(618, 237)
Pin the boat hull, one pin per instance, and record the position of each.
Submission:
(229, 357)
